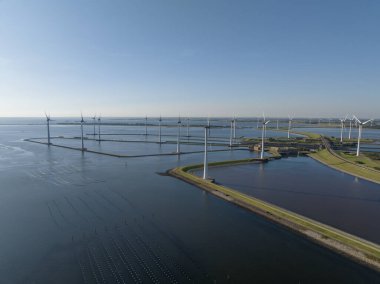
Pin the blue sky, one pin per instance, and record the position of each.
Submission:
(209, 57)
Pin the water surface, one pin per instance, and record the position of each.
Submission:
(72, 217)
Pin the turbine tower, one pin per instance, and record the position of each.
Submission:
(81, 128)
(360, 132)
(349, 132)
(179, 134)
(99, 119)
(146, 125)
(290, 125)
(188, 127)
(263, 135)
(234, 128)
(48, 127)
(93, 122)
(208, 125)
(205, 162)
(231, 133)
(342, 120)
(159, 130)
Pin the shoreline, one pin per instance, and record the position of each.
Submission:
(325, 162)
(353, 247)
(338, 163)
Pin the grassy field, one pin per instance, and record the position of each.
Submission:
(308, 134)
(327, 158)
(357, 248)
(371, 160)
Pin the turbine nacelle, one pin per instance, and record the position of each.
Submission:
(266, 122)
(343, 119)
(361, 123)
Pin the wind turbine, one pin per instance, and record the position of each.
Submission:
(208, 125)
(263, 135)
(146, 125)
(205, 162)
(48, 127)
(342, 120)
(99, 119)
(290, 125)
(349, 132)
(159, 129)
(277, 124)
(234, 128)
(231, 133)
(81, 128)
(93, 122)
(188, 127)
(360, 132)
(179, 134)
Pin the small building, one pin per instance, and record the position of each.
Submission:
(287, 151)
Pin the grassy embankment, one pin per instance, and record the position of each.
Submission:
(352, 246)
(366, 166)
(370, 160)
(307, 134)
(325, 157)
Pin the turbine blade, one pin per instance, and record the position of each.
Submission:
(369, 120)
(356, 119)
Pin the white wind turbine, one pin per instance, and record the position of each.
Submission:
(93, 122)
(265, 122)
(188, 127)
(81, 128)
(349, 132)
(231, 133)
(179, 135)
(208, 125)
(342, 120)
(234, 128)
(99, 121)
(48, 126)
(159, 129)
(205, 162)
(290, 125)
(360, 132)
(146, 125)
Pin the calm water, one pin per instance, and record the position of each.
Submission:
(305, 186)
(68, 217)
